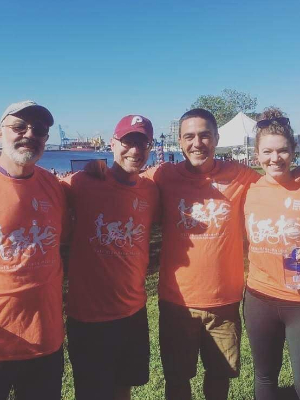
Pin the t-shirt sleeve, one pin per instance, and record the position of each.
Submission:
(150, 173)
(158, 208)
(254, 176)
(66, 224)
(68, 187)
(154, 195)
(249, 176)
(66, 184)
(158, 174)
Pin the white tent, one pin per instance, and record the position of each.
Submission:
(234, 132)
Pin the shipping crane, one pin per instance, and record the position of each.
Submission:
(64, 141)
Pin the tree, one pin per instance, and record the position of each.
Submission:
(225, 106)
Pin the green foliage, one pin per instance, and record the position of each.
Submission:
(225, 106)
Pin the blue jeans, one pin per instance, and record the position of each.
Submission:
(269, 322)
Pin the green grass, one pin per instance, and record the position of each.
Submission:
(241, 388)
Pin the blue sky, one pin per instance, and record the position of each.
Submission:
(92, 62)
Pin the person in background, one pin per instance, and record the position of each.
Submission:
(272, 299)
(107, 319)
(32, 210)
(53, 171)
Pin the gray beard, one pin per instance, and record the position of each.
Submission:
(29, 156)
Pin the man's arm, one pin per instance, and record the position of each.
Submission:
(96, 169)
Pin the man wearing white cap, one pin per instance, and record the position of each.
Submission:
(31, 211)
(107, 318)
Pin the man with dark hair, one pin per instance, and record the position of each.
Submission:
(201, 267)
(107, 318)
(198, 113)
(31, 216)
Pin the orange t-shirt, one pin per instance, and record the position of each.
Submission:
(31, 214)
(202, 251)
(273, 226)
(110, 248)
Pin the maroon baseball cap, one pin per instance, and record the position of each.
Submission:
(134, 123)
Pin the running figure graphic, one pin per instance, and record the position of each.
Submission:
(99, 223)
(281, 224)
(20, 243)
(115, 233)
(203, 215)
(282, 229)
(38, 238)
(184, 213)
(129, 230)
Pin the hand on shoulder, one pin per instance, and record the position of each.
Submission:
(96, 169)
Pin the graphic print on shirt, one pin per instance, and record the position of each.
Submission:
(117, 233)
(140, 205)
(278, 230)
(20, 242)
(41, 205)
(205, 215)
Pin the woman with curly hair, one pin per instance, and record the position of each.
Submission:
(272, 296)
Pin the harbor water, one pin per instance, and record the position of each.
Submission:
(61, 160)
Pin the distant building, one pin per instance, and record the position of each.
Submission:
(174, 130)
(171, 139)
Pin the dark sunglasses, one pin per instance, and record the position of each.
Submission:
(21, 128)
(264, 123)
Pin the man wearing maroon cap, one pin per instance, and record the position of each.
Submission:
(107, 318)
